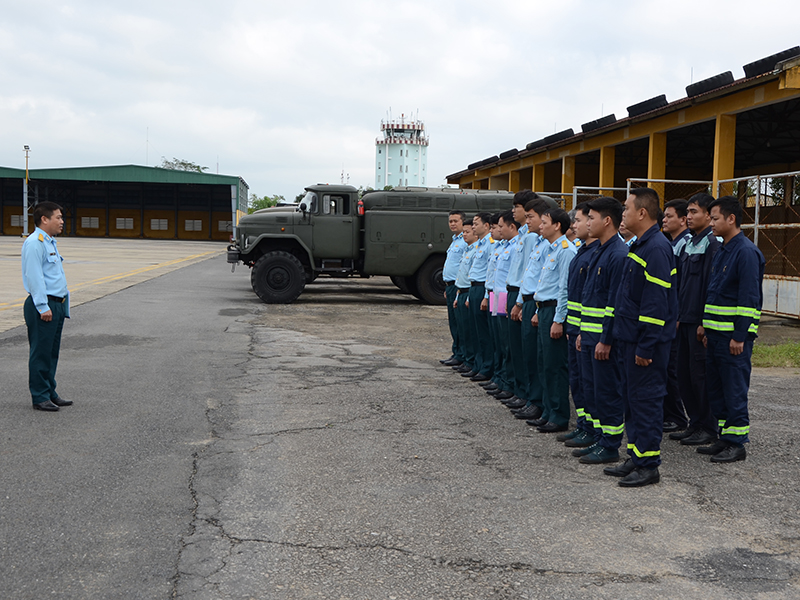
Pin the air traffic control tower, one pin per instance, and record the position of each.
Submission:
(401, 155)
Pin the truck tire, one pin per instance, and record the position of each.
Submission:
(430, 285)
(278, 278)
(400, 282)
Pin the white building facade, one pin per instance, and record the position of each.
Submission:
(401, 155)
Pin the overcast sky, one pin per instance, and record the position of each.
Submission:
(286, 94)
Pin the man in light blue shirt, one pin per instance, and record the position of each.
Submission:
(47, 305)
(484, 349)
(466, 333)
(551, 310)
(454, 253)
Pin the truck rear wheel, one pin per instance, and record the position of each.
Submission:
(278, 278)
(430, 284)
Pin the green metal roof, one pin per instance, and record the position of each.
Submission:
(126, 173)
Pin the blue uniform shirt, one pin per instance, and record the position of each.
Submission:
(646, 306)
(679, 242)
(495, 249)
(534, 244)
(454, 253)
(462, 279)
(503, 264)
(577, 277)
(694, 269)
(554, 259)
(481, 261)
(603, 274)
(517, 266)
(42, 271)
(733, 304)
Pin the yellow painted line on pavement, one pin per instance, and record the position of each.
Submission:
(19, 302)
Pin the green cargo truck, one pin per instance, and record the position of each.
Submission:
(402, 233)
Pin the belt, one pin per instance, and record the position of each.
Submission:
(462, 290)
(527, 297)
(477, 283)
(450, 282)
(540, 304)
(512, 289)
(56, 298)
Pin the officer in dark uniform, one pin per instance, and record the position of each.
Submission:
(694, 269)
(645, 315)
(730, 321)
(47, 305)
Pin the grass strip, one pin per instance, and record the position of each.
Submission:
(786, 354)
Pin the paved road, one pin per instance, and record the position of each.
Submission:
(222, 448)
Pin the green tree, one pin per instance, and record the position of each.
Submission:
(178, 164)
(259, 202)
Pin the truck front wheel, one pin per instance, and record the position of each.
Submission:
(430, 285)
(278, 278)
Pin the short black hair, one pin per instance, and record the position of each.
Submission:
(495, 218)
(584, 206)
(607, 207)
(702, 200)
(679, 204)
(521, 198)
(485, 218)
(44, 209)
(647, 198)
(560, 216)
(508, 218)
(728, 205)
(537, 205)
(466, 221)
(459, 213)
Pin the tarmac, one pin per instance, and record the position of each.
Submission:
(223, 448)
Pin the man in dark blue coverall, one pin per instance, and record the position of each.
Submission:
(730, 321)
(645, 313)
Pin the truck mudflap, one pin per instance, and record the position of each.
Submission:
(233, 254)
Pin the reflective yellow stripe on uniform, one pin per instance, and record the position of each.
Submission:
(574, 305)
(580, 412)
(717, 325)
(652, 320)
(721, 423)
(591, 311)
(647, 276)
(609, 312)
(641, 454)
(736, 430)
(575, 321)
(612, 429)
(592, 327)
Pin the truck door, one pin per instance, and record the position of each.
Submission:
(335, 227)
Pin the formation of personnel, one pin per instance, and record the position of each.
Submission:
(647, 317)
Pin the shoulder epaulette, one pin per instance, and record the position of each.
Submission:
(564, 244)
(41, 237)
(577, 243)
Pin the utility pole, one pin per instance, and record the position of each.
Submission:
(25, 194)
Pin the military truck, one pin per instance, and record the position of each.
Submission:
(402, 233)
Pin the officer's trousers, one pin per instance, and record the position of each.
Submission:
(450, 295)
(728, 382)
(520, 380)
(692, 379)
(602, 383)
(576, 384)
(553, 370)
(673, 404)
(530, 354)
(507, 367)
(484, 347)
(499, 368)
(466, 330)
(44, 338)
(643, 391)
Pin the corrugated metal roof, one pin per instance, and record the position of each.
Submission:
(123, 173)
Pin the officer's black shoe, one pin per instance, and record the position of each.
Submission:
(578, 452)
(469, 373)
(536, 422)
(59, 401)
(563, 437)
(528, 413)
(495, 391)
(680, 435)
(453, 362)
(699, 438)
(551, 427)
(732, 453)
(462, 368)
(444, 361)
(599, 456)
(670, 426)
(488, 385)
(716, 448)
(639, 477)
(582, 440)
(46, 406)
(518, 403)
(479, 377)
(620, 470)
(503, 395)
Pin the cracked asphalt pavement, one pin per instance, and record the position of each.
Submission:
(223, 448)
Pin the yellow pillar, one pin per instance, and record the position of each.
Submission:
(607, 158)
(513, 181)
(724, 151)
(657, 161)
(537, 185)
(567, 179)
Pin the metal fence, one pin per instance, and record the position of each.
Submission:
(771, 207)
(670, 189)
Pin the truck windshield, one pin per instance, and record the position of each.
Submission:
(311, 202)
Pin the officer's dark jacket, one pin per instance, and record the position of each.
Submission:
(602, 279)
(694, 269)
(577, 277)
(733, 303)
(646, 305)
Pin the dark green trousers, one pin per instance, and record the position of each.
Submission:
(517, 362)
(553, 359)
(466, 330)
(530, 352)
(44, 338)
(450, 295)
